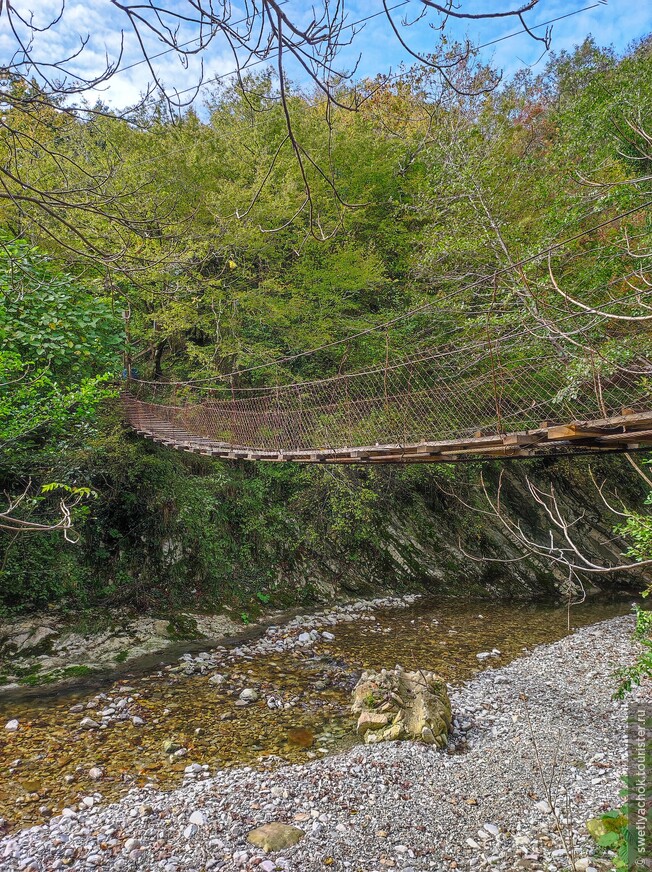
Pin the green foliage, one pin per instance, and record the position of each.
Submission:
(637, 530)
(450, 188)
(50, 320)
(641, 669)
(61, 347)
(36, 679)
(617, 837)
(612, 831)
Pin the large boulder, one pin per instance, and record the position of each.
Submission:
(394, 704)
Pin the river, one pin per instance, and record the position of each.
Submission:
(301, 711)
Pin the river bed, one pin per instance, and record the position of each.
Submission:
(149, 728)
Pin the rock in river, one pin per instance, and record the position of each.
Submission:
(394, 704)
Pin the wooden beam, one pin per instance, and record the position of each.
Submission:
(573, 431)
(521, 438)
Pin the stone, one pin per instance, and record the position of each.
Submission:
(137, 722)
(304, 638)
(197, 818)
(275, 836)
(492, 829)
(302, 737)
(88, 724)
(216, 679)
(371, 720)
(190, 831)
(267, 866)
(171, 747)
(248, 695)
(95, 773)
(394, 704)
(328, 636)
(131, 845)
(12, 726)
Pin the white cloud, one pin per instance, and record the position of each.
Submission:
(105, 27)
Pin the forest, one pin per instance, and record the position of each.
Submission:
(195, 247)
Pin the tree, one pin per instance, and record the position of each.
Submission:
(63, 347)
(41, 95)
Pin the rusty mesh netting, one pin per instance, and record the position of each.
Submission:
(424, 399)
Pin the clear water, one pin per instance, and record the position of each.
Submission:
(442, 635)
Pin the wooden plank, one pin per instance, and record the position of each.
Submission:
(628, 431)
(521, 438)
(573, 431)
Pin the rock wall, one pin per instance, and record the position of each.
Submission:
(174, 533)
(429, 538)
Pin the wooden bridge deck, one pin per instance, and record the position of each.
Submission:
(629, 431)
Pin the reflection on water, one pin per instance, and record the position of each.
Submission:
(45, 766)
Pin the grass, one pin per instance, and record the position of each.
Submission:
(36, 678)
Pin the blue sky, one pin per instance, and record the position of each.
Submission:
(616, 23)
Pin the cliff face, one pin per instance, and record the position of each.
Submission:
(444, 537)
(170, 531)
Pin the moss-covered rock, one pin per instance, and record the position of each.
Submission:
(394, 704)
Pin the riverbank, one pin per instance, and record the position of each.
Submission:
(50, 649)
(399, 805)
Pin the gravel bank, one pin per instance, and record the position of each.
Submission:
(399, 805)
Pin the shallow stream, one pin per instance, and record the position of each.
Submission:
(45, 765)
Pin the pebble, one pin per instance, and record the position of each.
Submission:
(396, 805)
(12, 725)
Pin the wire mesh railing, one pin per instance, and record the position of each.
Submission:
(425, 400)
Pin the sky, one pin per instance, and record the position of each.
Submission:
(375, 48)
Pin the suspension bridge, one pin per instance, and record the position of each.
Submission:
(490, 400)
(538, 376)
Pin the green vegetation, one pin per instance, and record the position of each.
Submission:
(182, 628)
(642, 668)
(452, 191)
(35, 677)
